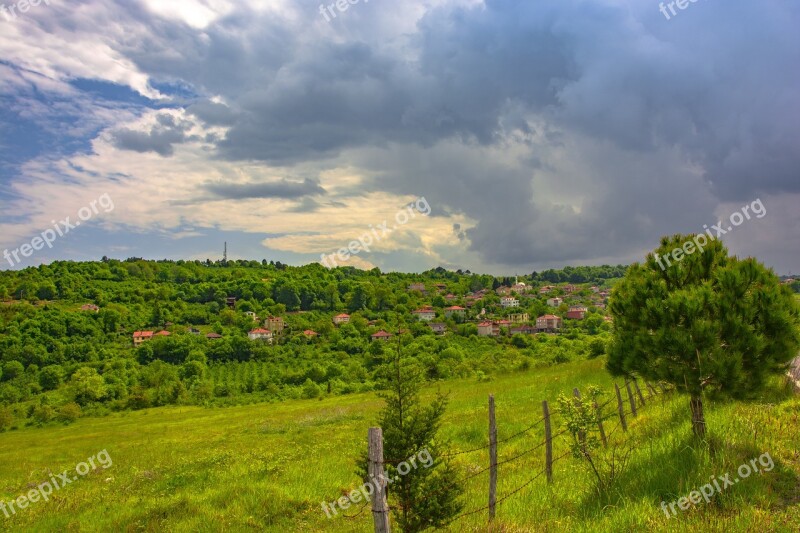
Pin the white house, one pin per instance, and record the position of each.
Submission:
(260, 334)
(554, 302)
(509, 301)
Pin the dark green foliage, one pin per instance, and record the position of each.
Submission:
(706, 323)
(425, 497)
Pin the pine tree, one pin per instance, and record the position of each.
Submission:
(704, 322)
(426, 496)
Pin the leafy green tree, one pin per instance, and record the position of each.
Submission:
(51, 377)
(706, 322)
(87, 385)
(424, 497)
(12, 369)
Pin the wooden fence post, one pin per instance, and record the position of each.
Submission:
(492, 459)
(651, 390)
(548, 443)
(630, 397)
(599, 416)
(621, 409)
(581, 434)
(380, 507)
(639, 392)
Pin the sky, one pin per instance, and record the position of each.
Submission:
(499, 136)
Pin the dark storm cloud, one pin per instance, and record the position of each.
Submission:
(278, 189)
(160, 139)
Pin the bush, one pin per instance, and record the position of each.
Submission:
(69, 413)
(6, 418)
(43, 414)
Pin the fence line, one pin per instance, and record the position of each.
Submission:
(492, 446)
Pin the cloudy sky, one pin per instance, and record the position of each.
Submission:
(540, 133)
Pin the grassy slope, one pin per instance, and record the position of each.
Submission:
(269, 466)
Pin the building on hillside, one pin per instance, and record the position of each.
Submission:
(441, 287)
(519, 317)
(425, 314)
(549, 323)
(213, 336)
(450, 297)
(438, 328)
(275, 324)
(381, 336)
(503, 290)
(486, 329)
(252, 315)
(90, 307)
(569, 289)
(311, 334)
(417, 287)
(554, 302)
(523, 330)
(260, 334)
(344, 318)
(162, 333)
(455, 310)
(193, 331)
(509, 301)
(546, 289)
(230, 301)
(577, 312)
(140, 336)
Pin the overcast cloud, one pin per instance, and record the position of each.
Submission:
(541, 133)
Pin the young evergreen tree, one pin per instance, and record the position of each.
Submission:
(702, 321)
(426, 495)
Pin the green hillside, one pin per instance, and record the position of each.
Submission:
(269, 466)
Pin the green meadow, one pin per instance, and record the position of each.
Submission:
(270, 466)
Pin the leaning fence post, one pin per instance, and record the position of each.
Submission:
(492, 459)
(380, 508)
(581, 434)
(650, 389)
(630, 397)
(639, 392)
(599, 416)
(548, 443)
(621, 409)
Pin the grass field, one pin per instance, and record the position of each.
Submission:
(269, 467)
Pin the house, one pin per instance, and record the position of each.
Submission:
(519, 288)
(310, 333)
(275, 324)
(90, 307)
(509, 301)
(441, 287)
(577, 312)
(341, 319)
(523, 330)
(546, 289)
(519, 317)
(213, 336)
(230, 301)
(569, 289)
(163, 333)
(193, 331)
(503, 324)
(417, 287)
(454, 310)
(140, 336)
(486, 329)
(554, 302)
(450, 297)
(260, 334)
(426, 313)
(438, 328)
(252, 315)
(549, 323)
(503, 291)
(382, 336)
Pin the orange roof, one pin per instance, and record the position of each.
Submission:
(163, 334)
(260, 331)
(381, 333)
(343, 315)
(142, 333)
(310, 332)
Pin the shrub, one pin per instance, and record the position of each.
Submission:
(69, 413)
